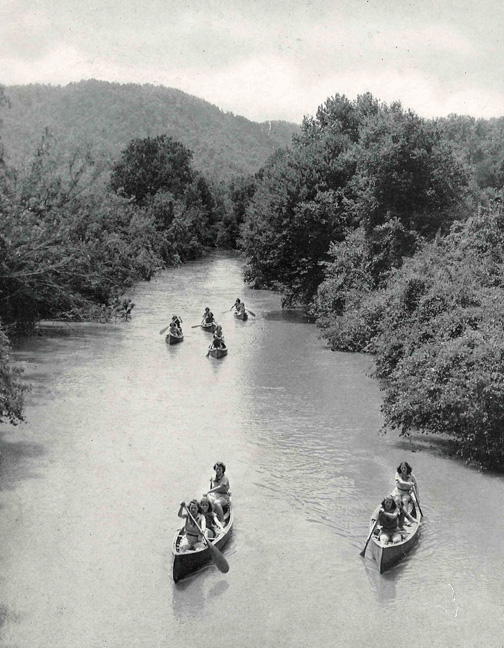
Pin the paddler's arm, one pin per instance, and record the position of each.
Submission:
(410, 517)
(221, 488)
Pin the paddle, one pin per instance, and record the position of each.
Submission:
(196, 325)
(216, 555)
(415, 499)
(208, 352)
(249, 311)
(163, 330)
(363, 552)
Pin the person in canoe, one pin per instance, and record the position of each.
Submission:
(239, 306)
(388, 521)
(219, 490)
(192, 539)
(218, 338)
(405, 482)
(212, 522)
(174, 329)
(178, 322)
(208, 316)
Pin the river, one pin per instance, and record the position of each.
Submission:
(121, 427)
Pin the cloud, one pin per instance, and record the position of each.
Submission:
(264, 61)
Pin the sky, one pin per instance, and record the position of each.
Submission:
(268, 60)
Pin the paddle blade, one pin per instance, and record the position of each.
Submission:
(251, 312)
(363, 552)
(218, 558)
(196, 326)
(163, 330)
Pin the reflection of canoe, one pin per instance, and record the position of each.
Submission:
(190, 561)
(241, 316)
(209, 327)
(387, 556)
(174, 339)
(218, 353)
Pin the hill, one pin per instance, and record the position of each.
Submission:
(108, 115)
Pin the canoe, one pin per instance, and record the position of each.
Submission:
(209, 327)
(189, 562)
(218, 353)
(387, 556)
(174, 339)
(241, 316)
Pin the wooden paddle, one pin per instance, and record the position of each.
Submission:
(196, 325)
(249, 311)
(217, 557)
(363, 552)
(415, 499)
(208, 352)
(163, 330)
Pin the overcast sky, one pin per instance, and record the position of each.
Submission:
(268, 59)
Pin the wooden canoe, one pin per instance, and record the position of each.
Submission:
(387, 556)
(188, 562)
(218, 353)
(174, 339)
(209, 327)
(241, 316)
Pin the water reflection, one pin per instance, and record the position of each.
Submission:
(383, 586)
(292, 315)
(191, 595)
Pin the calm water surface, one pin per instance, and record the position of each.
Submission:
(122, 427)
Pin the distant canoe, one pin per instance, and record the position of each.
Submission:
(174, 339)
(387, 556)
(241, 316)
(209, 327)
(189, 562)
(218, 352)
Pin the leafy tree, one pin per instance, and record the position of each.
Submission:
(11, 387)
(241, 192)
(355, 163)
(150, 165)
(435, 328)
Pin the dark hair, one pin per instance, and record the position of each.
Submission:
(408, 467)
(194, 501)
(237, 300)
(219, 463)
(210, 505)
(389, 497)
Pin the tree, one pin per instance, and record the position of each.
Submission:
(355, 163)
(150, 165)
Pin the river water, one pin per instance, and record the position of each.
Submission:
(121, 428)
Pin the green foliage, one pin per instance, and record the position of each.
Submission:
(11, 387)
(107, 116)
(479, 145)
(241, 191)
(357, 163)
(150, 165)
(435, 328)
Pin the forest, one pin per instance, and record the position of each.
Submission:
(386, 227)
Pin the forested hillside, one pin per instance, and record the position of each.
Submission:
(108, 116)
